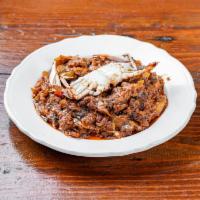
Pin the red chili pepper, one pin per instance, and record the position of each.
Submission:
(58, 93)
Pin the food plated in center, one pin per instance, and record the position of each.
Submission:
(99, 96)
(130, 105)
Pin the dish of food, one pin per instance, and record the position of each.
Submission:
(99, 97)
(131, 110)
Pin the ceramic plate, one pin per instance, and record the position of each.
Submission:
(180, 92)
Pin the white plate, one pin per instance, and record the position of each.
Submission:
(180, 92)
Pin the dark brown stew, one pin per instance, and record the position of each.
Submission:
(123, 110)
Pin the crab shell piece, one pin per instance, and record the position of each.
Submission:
(53, 77)
(101, 79)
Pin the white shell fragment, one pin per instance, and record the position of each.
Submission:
(53, 77)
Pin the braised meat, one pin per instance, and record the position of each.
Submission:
(130, 107)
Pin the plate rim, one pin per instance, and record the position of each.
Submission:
(90, 154)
